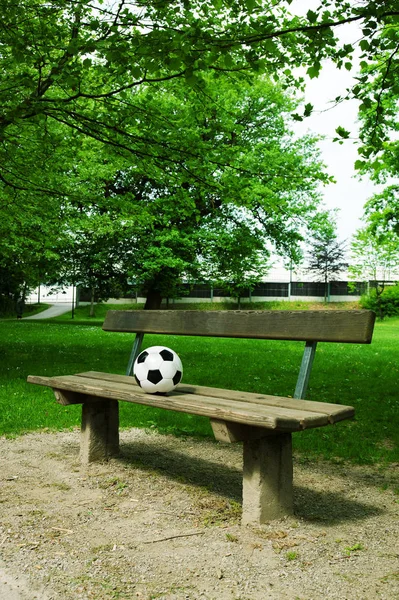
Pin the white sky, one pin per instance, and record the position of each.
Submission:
(348, 194)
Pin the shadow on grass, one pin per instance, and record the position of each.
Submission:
(327, 507)
(53, 321)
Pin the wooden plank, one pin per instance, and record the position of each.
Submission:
(334, 412)
(345, 326)
(271, 417)
(236, 432)
(66, 398)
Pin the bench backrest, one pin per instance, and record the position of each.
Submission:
(311, 326)
(354, 326)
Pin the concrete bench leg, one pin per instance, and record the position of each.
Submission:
(267, 479)
(100, 431)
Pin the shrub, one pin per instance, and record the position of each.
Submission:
(7, 306)
(384, 301)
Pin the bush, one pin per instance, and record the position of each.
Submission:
(385, 302)
(7, 306)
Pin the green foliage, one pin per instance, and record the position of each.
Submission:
(378, 91)
(374, 255)
(134, 78)
(382, 212)
(7, 306)
(152, 225)
(383, 300)
(8, 309)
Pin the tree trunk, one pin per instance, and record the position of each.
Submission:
(92, 302)
(153, 301)
(325, 289)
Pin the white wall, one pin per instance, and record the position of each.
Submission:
(50, 298)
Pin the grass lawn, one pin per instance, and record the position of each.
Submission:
(29, 311)
(364, 376)
(81, 313)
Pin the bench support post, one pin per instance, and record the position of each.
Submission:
(138, 340)
(305, 370)
(100, 430)
(267, 479)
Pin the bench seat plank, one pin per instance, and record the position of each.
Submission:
(335, 412)
(267, 415)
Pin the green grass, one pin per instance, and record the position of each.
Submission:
(364, 376)
(82, 313)
(29, 311)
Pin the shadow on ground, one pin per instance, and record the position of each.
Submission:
(326, 506)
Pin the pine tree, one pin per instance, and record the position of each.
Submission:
(326, 257)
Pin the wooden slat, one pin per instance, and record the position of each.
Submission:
(334, 412)
(318, 325)
(280, 418)
(276, 418)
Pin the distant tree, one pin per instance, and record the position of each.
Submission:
(235, 259)
(326, 257)
(374, 256)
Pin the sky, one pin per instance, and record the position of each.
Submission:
(349, 194)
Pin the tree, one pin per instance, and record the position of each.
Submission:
(234, 258)
(374, 256)
(379, 125)
(80, 64)
(326, 257)
(166, 216)
(157, 213)
(92, 258)
(382, 213)
(73, 72)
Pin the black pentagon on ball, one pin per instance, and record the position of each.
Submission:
(154, 376)
(166, 355)
(141, 358)
(177, 378)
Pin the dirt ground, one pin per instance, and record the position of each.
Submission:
(162, 522)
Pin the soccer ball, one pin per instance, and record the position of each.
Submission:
(158, 370)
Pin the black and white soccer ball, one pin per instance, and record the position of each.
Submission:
(158, 370)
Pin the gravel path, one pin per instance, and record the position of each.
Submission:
(18, 588)
(54, 311)
(162, 522)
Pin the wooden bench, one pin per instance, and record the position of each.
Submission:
(262, 422)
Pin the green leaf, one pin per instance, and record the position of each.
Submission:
(311, 16)
(359, 164)
(250, 4)
(308, 109)
(343, 133)
(364, 45)
(314, 71)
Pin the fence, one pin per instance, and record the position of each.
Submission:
(344, 290)
(282, 290)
